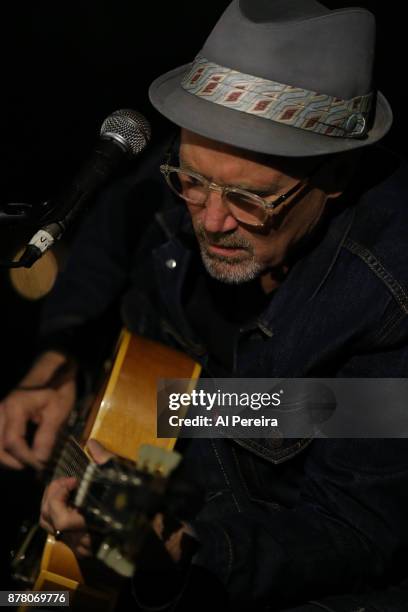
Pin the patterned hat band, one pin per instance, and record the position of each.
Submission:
(294, 106)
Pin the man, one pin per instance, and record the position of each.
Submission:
(280, 254)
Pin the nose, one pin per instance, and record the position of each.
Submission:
(215, 215)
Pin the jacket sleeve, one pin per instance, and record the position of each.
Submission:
(86, 297)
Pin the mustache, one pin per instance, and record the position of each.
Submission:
(221, 239)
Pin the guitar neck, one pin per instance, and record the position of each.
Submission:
(72, 460)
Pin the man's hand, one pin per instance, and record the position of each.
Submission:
(58, 516)
(173, 544)
(32, 401)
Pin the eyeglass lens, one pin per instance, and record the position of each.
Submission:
(241, 206)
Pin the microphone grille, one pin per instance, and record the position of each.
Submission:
(128, 126)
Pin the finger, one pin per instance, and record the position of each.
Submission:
(79, 542)
(59, 488)
(63, 516)
(14, 442)
(158, 524)
(76, 539)
(46, 434)
(173, 545)
(57, 515)
(6, 459)
(46, 525)
(45, 517)
(81, 551)
(98, 452)
(66, 519)
(10, 462)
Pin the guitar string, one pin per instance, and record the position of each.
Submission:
(64, 440)
(91, 498)
(77, 463)
(73, 454)
(70, 457)
(67, 466)
(74, 462)
(98, 474)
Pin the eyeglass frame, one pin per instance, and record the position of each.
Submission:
(268, 207)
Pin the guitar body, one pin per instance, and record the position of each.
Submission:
(122, 418)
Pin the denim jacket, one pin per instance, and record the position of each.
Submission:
(284, 520)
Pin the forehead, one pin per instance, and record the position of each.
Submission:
(224, 162)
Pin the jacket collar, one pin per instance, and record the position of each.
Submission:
(312, 268)
(307, 275)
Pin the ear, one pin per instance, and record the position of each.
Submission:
(337, 173)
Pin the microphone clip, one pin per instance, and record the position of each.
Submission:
(25, 213)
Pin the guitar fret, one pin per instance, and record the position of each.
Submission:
(72, 462)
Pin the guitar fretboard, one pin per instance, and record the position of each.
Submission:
(72, 460)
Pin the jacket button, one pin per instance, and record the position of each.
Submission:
(276, 440)
(171, 264)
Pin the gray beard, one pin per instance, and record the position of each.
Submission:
(231, 270)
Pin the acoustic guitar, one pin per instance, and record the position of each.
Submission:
(116, 498)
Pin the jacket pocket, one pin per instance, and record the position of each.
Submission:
(274, 481)
(276, 450)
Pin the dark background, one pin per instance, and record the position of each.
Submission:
(69, 64)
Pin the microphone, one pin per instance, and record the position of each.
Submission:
(124, 134)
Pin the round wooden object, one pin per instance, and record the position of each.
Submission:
(34, 283)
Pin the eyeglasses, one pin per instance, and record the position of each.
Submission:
(246, 207)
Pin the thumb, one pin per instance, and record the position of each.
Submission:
(98, 452)
(64, 486)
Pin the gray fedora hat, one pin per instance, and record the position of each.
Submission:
(282, 77)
